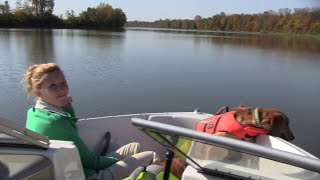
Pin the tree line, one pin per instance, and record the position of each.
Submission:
(38, 14)
(285, 20)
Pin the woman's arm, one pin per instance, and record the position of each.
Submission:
(89, 159)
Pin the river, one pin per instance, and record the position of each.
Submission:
(150, 70)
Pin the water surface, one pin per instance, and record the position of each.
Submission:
(147, 70)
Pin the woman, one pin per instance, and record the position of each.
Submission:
(53, 116)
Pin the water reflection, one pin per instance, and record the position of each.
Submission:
(99, 50)
(37, 45)
(42, 47)
(296, 45)
(256, 40)
(5, 37)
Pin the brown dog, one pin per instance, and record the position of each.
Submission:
(177, 166)
(271, 119)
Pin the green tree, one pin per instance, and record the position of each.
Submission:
(27, 8)
(1, 8)
(103, 16)
(176, 24)
(43, 7)
(185, 24)
(5, 8)
(20, 16)
(118, 18)
(35, 4)
(49, 6)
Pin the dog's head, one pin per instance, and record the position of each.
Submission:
(276, 123)
(273, 121)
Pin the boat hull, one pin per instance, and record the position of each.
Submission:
(123, 132)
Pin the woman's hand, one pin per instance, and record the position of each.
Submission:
(68, 102)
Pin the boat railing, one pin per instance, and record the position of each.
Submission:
(312, 164)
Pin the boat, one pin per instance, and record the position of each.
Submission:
(25, 154)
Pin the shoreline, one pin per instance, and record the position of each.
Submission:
(313, 36)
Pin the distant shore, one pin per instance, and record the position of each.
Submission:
(101, 17)
(296, 22)
(305, 22)
(225, 32)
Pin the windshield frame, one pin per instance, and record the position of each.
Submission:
(13, 135)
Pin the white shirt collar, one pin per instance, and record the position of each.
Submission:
(43, 105)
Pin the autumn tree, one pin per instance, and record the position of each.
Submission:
(19, 12)
(284, 11)
(103, 16)
(285, 20)
(197, 21)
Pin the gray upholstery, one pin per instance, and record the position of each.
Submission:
(4, 171)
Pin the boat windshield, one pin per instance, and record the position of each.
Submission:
(229, 158)
(12, 134)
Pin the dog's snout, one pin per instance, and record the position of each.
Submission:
(287, 135)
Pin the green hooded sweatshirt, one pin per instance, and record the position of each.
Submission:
(58, 126)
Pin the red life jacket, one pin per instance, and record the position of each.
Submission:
(226, 122)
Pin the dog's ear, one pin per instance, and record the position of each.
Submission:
(276, 123)
(269, 117)
(242, 106)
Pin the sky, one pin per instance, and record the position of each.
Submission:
(151, 10)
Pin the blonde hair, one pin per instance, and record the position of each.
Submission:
(36, 74)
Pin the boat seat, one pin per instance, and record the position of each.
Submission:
(95, 138)
(185, 121)
(4, 171)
